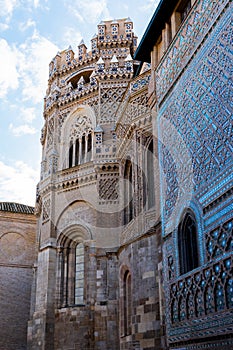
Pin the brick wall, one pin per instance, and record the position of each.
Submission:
(17, 252)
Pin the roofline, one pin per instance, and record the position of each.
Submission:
(160, 17)
(13, 207)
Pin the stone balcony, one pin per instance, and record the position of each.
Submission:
(76, 176)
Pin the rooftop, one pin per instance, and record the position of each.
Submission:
(16, 208)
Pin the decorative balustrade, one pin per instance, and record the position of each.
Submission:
(203, 293)
(81, 170)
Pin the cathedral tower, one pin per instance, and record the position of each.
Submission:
(78, 202)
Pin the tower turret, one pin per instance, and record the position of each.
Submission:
(82, 50)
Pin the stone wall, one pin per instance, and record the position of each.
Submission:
(93, 325)
(142, 259)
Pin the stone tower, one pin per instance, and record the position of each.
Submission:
(78, 203)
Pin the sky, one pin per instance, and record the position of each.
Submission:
(31, 33)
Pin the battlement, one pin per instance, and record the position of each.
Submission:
(110, 58)
(114, 37)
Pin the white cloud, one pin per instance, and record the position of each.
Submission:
(26, 65)
(150, 5)
(25, 25)
(7, 7)
(27, 114)
(71, 37)
(8, 70)
(3, 26)
(43, 4)
(89, 11)
(36, 3)
(33, 57)
(20, 130)
(18, 184)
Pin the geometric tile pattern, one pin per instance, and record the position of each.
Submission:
(183, 47)
(200, 110)
(203, 293)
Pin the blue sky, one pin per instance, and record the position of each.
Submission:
(31, 33)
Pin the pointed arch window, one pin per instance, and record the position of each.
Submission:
(187, 243)
(80, 150)
(77, 136)
(150, 175)
(127, 303)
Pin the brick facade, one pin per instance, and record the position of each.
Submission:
(17, 257)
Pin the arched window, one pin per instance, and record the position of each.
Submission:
(80, 150)
(187, 243)
(76, 139)
(150, 176)
(127, 303)
(128, 192)
(80, 142)
(71, 273)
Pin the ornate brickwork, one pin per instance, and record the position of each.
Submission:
(50, 132)
(197, 110)
(194, 29)
(46, 207)
(82, 125)
(219, 240)
(108, 187)
(134, 104)
(111, 97)
(195, 147)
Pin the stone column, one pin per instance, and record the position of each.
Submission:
(74, 153)
(65, 278)
(86, 147)
(80, 151)
(60, 276)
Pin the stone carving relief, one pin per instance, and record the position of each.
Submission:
(82, 125)
(79, 213)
